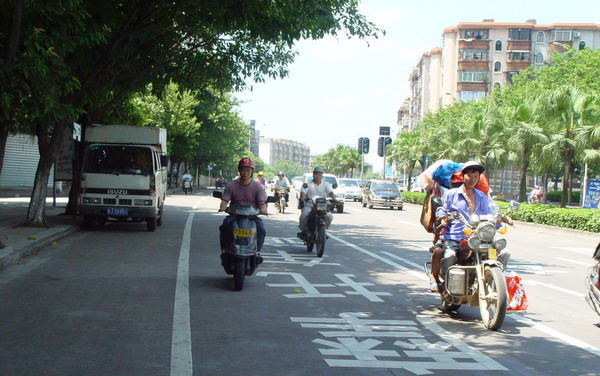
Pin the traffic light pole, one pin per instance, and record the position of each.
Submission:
(383, 173)
(362, 163)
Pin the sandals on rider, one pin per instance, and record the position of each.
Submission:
(433, 286)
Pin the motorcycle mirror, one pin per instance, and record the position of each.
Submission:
(514, 205)
(597, 252)
(304, 185)
(271, 199)
(218, 194)
(334, 186)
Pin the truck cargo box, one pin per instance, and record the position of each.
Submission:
(127, 134)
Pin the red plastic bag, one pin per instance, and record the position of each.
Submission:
(517, 300)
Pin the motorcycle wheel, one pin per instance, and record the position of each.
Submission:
(309, 245)
(321, 237)
(282, 206)
(239, 273)
(493, 301)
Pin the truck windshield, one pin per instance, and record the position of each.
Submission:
(118, 159)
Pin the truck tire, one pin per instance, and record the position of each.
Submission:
(151, 224)
(160, 215)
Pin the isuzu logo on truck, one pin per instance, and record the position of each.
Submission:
(117, 191)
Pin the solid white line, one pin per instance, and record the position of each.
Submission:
(410, 224)
(181, 342)
(547, 285)
(575, 262)
(554, 333)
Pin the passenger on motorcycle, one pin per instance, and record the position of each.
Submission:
(261, 179)
(316, 188)
(282, 184)
(466, 200)
(243, 191)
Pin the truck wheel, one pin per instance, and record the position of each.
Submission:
(160, 213)
(151, 223)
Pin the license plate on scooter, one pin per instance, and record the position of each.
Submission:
(492, 253)
(242, 232)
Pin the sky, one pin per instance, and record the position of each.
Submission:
(339, 90)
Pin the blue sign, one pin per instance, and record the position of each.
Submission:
(592, 194)
(388, 171)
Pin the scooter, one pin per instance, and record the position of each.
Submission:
(241, 257)
(281, 202)
(592, 282)
(477, 277)
(187, 186)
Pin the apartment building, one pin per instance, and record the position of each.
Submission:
(477, 57)
(254, 138)
(273, 149)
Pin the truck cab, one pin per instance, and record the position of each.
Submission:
(124, 175)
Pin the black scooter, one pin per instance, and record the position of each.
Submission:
(241, 257)
(315, 233)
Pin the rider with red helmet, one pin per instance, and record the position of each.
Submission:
(244, 191)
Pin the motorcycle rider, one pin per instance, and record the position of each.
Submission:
(282, 184)
(261, 179)
(187, 177)
(466, 200)
(316, 188)
(243, 191)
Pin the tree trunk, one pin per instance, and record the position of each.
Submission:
(545, 188)
(36, 213)
(565, 182)
(523, 181)
(571, 173)
(3, 138)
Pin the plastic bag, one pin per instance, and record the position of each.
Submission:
(425, 179)
(517, 300)
(444, 172)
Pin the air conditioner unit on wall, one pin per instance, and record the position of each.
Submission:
(576, 34)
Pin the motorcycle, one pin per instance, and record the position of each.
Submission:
(477, 277)
(281, 202)
(187, 186)
(241, 257)
(592, 282)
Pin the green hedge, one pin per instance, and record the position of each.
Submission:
(579, 219)
(554, 196)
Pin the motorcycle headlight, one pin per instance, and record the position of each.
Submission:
(486, 231)
(474, 242)
(500, 244)
(321, 206)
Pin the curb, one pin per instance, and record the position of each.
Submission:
(14, 256)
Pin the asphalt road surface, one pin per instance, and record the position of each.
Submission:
(119, 300)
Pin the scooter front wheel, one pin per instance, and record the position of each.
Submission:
(321, 237)
(493, 300)
(239, 273)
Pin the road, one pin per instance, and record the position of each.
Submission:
(119, 300)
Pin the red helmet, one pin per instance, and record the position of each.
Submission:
(456, 177)
(246, 162)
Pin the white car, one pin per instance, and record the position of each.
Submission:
(352, 190)
(338, 191)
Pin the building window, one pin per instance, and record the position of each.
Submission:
(498, 45)
(510, 75)
(562, 35)
(473, 54)
(519, 34)
(582, 45)
(497, 86)
(472, 76)
(540, 36)
(470, 95)
(539, 58)
(475, 34)
(518, 56)
(497, 66)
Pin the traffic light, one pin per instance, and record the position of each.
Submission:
(380, 146)
(361, 144)
(365, 146)
(388, 140)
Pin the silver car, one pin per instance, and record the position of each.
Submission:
(351, 188)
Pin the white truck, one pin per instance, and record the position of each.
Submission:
(124, 175)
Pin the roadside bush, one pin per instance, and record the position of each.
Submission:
(413, 197)
(554, 196)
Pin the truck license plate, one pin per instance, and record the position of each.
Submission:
(117, 212)
(242, 232)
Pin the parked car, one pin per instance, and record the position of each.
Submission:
(338, 191)
(382, 193)
(351, 188)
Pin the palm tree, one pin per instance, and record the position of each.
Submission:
(406, 152)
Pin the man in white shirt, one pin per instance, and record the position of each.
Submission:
(282, 183)
(316, 188)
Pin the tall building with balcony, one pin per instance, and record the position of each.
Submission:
(274, 149)
(254, 138)
(477, 57)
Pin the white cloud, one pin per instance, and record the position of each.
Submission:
(345, 100)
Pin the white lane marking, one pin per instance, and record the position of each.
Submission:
(585, 251)
(554, 333)
(403, 260)
(410, 224)
(575, 262)
(198, 202)
(346, 207)
(547, 285)
(383, 259)
(181, 341)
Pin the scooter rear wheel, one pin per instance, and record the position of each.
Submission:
(239, 273)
